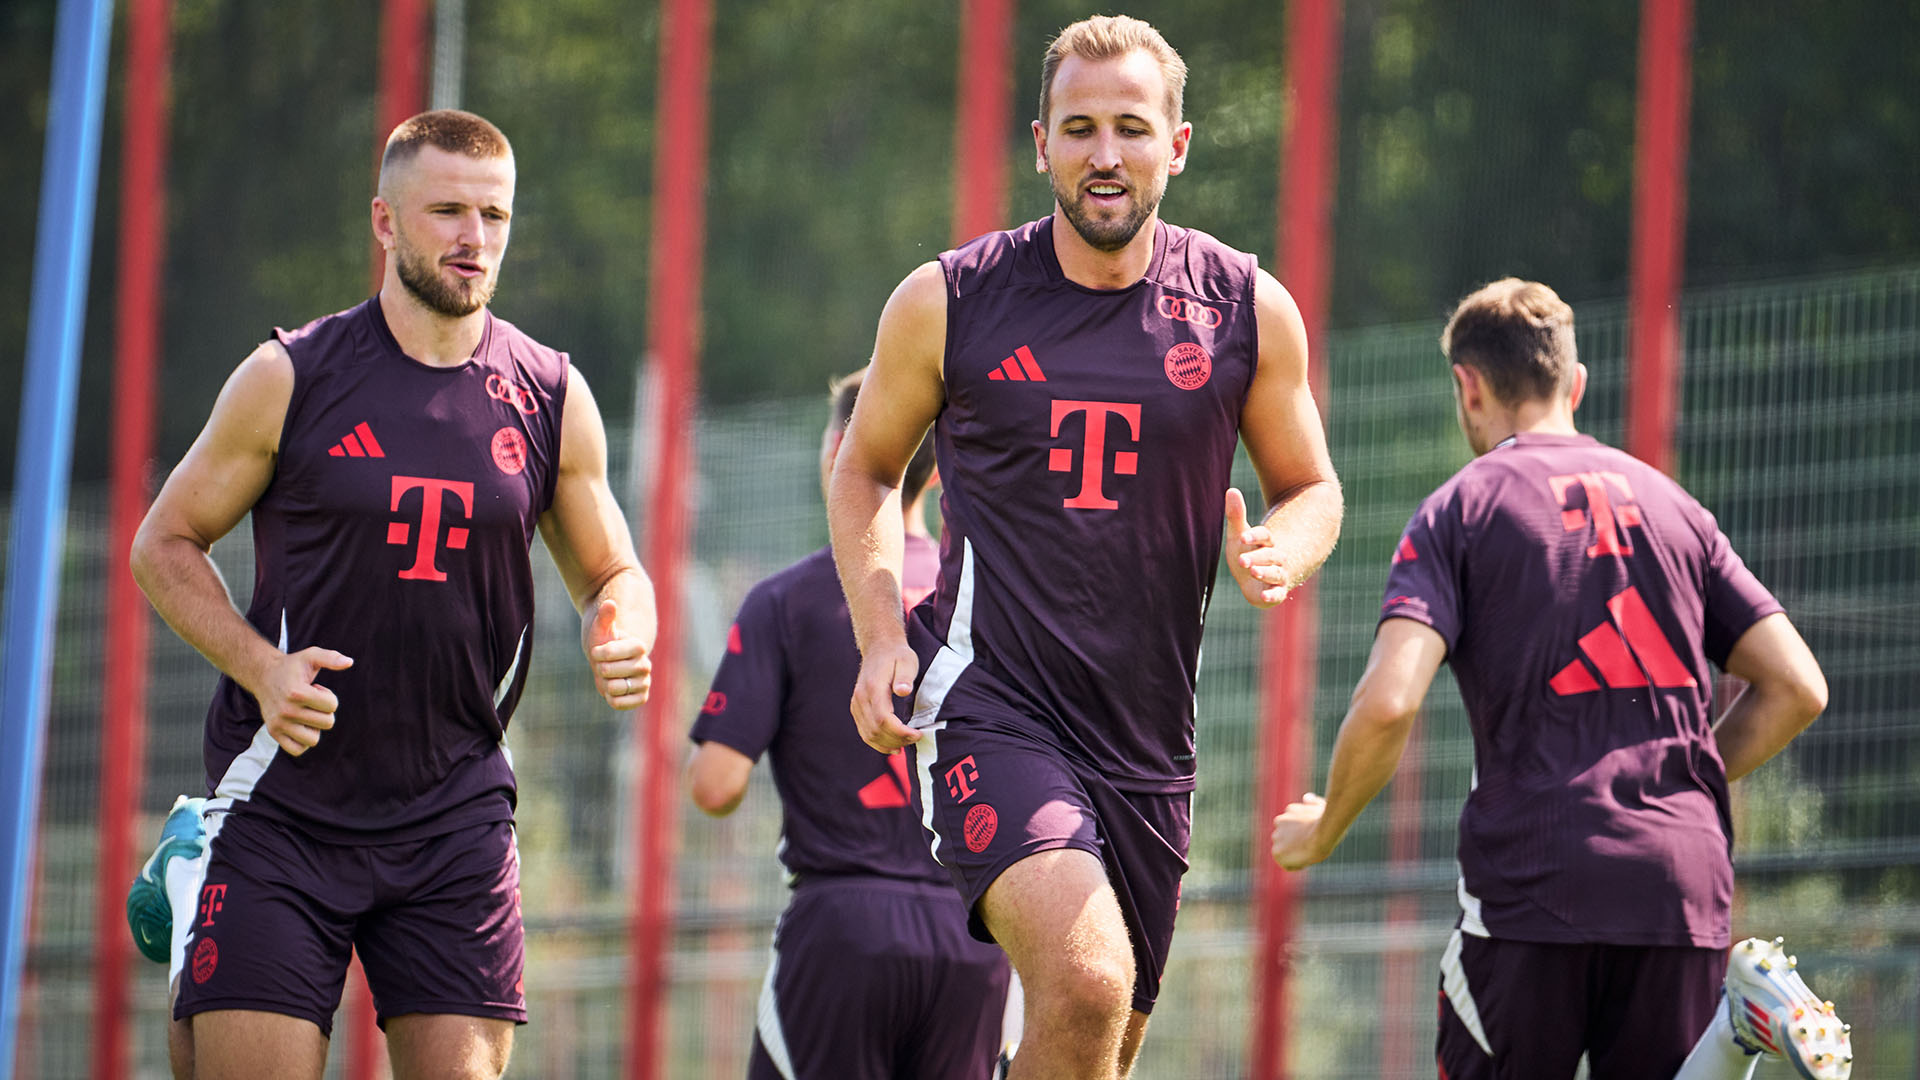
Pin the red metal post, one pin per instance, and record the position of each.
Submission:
(979, 137)
(403, 66)
(1291, 645)
(673, 334)
(403, 83)
(123, 729)
(1659, 224)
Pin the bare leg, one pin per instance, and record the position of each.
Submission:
(239, 1044)
(1130, 1042)
(1056, 916)
(433, 1046)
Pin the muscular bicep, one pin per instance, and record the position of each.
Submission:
(1280, 422)
(584, 528)
(231, 463)
(905, 386)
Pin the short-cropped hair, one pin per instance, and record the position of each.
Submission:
(842, 392)
(1519, 334)
(452, 130)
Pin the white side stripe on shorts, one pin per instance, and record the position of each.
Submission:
(1453, 979)
(953, 658)
(771, 1036)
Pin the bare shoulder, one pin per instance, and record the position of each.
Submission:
(919, 302)
(252, 407)
(1283, 333)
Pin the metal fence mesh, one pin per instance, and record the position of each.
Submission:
(1801, 430)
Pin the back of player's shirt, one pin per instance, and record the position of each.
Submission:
(783, 689)
(1582, 595)
(395, 530)
(1085, 447)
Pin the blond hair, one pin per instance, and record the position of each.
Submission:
(1109, 37)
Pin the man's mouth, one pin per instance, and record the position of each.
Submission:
(1106, 191)
(466, 268)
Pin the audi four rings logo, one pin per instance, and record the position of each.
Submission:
(1192, 311)
(501, 388)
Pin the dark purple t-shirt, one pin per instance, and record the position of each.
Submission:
(783, 689)
(1085, 447)
(1582, 595)
(396, 530)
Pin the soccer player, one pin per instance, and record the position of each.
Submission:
(396, 458)
(874, 976)
(1092, 372)
(1579, 596)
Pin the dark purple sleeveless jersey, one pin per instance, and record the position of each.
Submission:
(1085, 447)
(783, 689)
(396, 530)
(1582, 595)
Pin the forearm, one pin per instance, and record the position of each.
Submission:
(869, 551)
(1759, 724)
(1366, 754)
(1305, 523)
(183, 585)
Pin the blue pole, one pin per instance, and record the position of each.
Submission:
(42, 464)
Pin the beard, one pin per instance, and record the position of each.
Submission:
(422, 278)
(1105, 234)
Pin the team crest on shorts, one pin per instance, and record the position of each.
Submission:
(510, 450)
(1188, 366)
(982, 822)
(206, 957)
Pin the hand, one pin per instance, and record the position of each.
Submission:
(1295, 846)
(1251, 557)
(622, 670)
(885, 674)
(295, 708)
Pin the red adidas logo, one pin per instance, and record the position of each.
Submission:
(1626, 662)
(360, 443)
(889, 789)
(1020, 367)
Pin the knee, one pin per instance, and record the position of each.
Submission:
(1091, 992)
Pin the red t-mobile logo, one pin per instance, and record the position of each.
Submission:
(1608, 519)
(1093, 456)
(212, 899)
(427, 543)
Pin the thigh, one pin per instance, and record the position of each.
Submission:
(1650, 1006)
(1146, 856)
(273, 928)
(441, 1047)
(447, 938)
(1056, 915)
(245, 1044)
(1511, 1010)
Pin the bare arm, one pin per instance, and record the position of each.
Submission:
(1372, 738)
(717, 776)
(215, 485)
(1281, 427)
(591, 545)
(1785, 691)
(899, 400)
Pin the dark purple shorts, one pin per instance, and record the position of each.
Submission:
(436, 922)
(1634, 1010)
(1001, 794)
(874, 978)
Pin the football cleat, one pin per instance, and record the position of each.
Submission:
(1774, 1013)
(149, 912)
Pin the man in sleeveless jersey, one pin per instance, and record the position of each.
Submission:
(874, 976)
(1580, 597)
(1092, 373)
(396, 458)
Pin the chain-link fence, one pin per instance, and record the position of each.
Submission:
(1800, 429)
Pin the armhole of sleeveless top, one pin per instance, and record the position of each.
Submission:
(952, 296)
(295, 398)
(564, 380)
(1253, 324)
